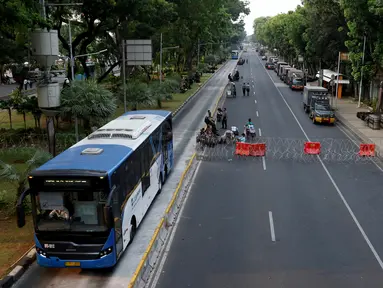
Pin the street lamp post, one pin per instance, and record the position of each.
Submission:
(361, 72)
(161, 51)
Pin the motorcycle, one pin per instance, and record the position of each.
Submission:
(250, 133)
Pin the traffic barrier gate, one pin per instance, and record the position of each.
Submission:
(258, 149)
(247, 149)
(312, 148)
(367, 150)
(242, 149)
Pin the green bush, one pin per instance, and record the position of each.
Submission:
(17, 155)
(13, 140)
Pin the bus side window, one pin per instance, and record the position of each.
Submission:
(132, 172)
(146, 157)
(156, 140)
(167, 131)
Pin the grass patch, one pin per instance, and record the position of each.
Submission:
(14, 242)
(17, 120)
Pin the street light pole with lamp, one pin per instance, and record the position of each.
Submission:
(161, 50)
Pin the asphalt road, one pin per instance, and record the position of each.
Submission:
(185, 126)
(278, 223)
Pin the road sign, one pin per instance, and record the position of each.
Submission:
(139, 52)
(300, 59)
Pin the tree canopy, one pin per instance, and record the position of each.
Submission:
(103, 24)
(320, 29)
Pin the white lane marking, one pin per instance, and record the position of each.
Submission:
(257, 114)
(253, 86)
(372, 248)
(254, 94)
(260, 132)
(255, 101)
(173, 232)
(272, 231)
(264, 163)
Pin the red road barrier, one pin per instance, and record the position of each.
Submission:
(312, 148)
(242, 149)
(247, 149)
(258, 149)
(367, 150)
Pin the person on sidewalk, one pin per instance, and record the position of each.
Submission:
(244, 89)
(224, 119)
(25, 84)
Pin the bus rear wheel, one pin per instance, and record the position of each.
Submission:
(133, 230)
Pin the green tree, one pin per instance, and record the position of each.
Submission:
(12, 175)
(88, 101)
(17, 18)
(364, 18)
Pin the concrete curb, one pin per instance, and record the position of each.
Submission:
(19, 268)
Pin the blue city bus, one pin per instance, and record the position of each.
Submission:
(88, 201)
(234, 54)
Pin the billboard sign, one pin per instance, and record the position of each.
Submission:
(138, 52)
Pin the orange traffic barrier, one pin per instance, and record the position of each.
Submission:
(258, 149)
(367, 150)
(312, 148)
(242, 149)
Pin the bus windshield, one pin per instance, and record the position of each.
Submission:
(69, 211)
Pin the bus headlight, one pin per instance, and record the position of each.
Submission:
(41, 252)
(106, 252)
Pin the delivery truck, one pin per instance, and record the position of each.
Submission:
(316, 104)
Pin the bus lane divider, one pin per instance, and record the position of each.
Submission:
(20, 266)
(141, 276)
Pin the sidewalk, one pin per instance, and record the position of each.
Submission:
(346, 113)
(346, 110)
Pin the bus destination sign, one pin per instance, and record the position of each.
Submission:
(66, 182)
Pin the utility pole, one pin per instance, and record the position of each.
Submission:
(361, 72)
(198, 54)
(71, 52)
(124, 72)
(161, 51)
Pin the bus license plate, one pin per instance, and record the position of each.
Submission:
(326, 119)
(72, 264)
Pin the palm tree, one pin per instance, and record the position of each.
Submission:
(163, 91)
(89, 101)
(19, 178)
(137, 93)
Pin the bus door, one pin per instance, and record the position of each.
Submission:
(167, 141)
(117, 215)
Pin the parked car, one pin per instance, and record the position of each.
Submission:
(269, 66)
(264, 57)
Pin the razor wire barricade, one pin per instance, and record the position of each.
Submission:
(273, 148)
